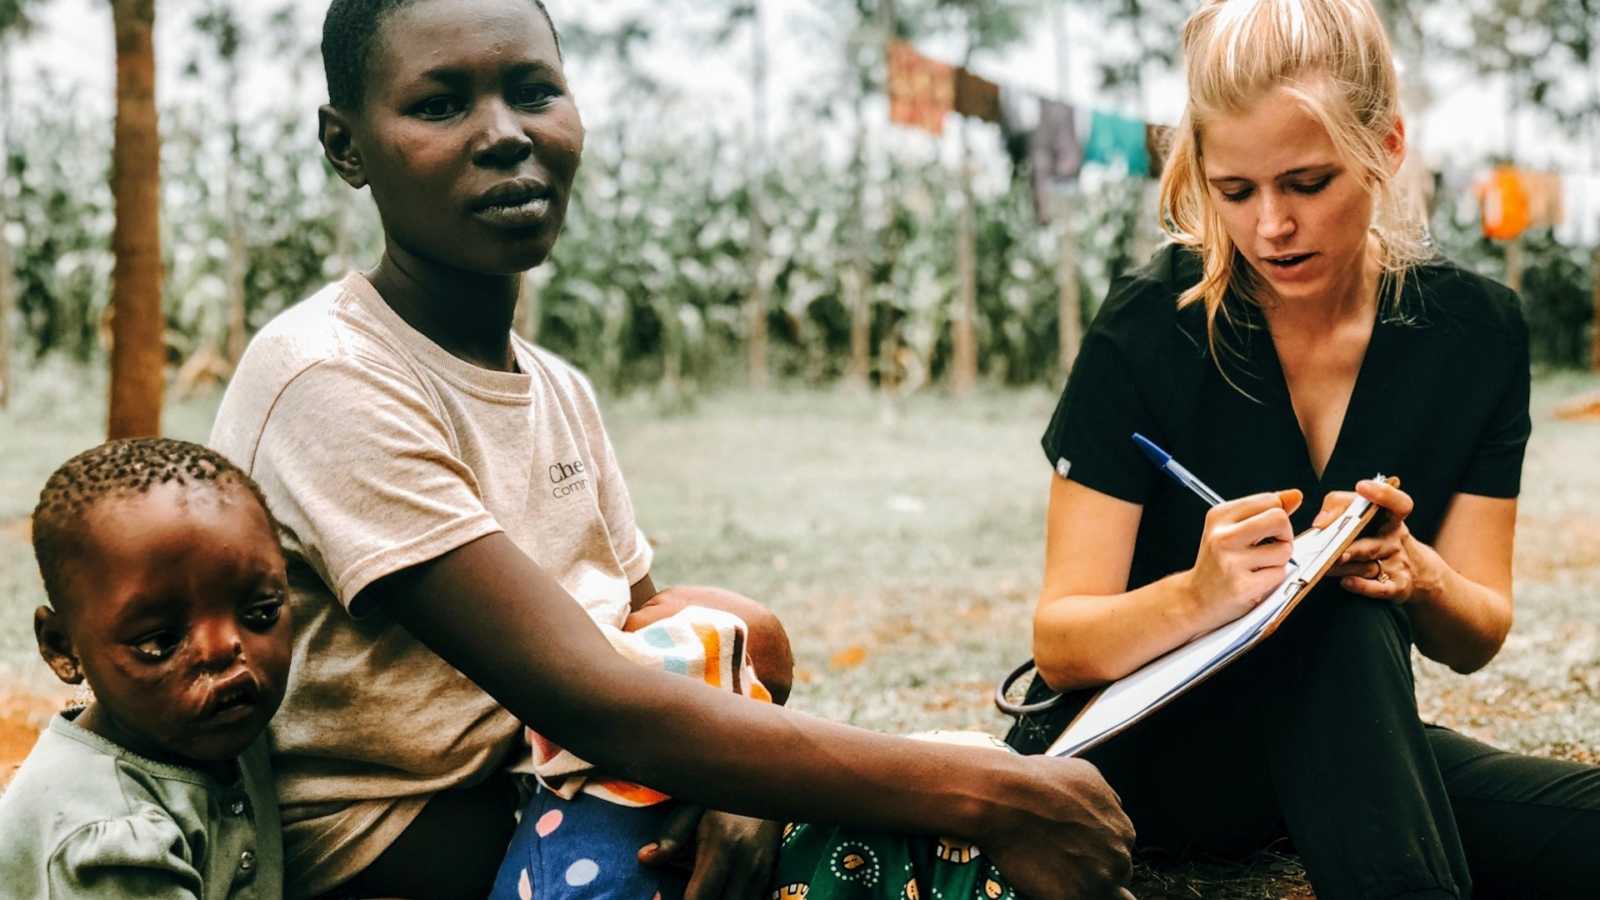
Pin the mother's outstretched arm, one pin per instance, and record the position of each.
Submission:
(1052, 826)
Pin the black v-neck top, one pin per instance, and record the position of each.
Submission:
(1441, 400)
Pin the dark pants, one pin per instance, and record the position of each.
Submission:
(1314, 735)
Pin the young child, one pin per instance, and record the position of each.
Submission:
(167, 595)
(456, 522)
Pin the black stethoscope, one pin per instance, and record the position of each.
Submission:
(1018, 710)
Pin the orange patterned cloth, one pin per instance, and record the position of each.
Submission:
(707, 644)
(1503, 200)
(922, 91)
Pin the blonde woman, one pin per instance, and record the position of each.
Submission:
(1296, 337)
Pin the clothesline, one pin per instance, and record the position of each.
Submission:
(1046, 135)
(1042, 132)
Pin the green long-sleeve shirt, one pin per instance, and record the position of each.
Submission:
(87, 818)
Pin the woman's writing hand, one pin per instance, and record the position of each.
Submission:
(1065, 836)
(1387, 563)
(1243, 551)
(731, 857)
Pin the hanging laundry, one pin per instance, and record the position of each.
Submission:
(1157, 143)
(1114, 138)
(977, 97)
(1503, 203)
(1514, 200)
(921, 90)
(1019, 118)
(1544, 198)
(1041, 137)
(1055, 156)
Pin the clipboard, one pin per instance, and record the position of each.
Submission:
(1120, 704)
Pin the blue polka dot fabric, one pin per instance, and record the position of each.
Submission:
(585, 848)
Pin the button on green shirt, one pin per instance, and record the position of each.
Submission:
(86, 818)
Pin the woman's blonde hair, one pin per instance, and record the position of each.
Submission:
(1333, 57)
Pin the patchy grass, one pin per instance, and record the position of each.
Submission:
(902, 542)
(1542, 693)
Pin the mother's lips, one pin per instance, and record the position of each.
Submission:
(515, 192)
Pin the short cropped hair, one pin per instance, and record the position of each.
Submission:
(117, 469)
(348, 33)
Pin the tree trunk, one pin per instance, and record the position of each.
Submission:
(671, 347)
(1514, 264)
(889, 361)
(1069, 305)
(757, 301)
(8, 286)
(855, 280)
(238, 260)
(756, 309)
(964, 343)
(136, 351)
(888, 365)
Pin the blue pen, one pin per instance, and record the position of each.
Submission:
(1164, 461)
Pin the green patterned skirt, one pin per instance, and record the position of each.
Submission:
(820, 863)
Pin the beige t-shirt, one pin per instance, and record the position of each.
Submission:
(377, 450)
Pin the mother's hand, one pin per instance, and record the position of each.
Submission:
(1386, 563)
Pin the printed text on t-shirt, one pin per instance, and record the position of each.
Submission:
(568, 478)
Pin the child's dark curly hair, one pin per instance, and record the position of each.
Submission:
(348, 33)
(114, 469)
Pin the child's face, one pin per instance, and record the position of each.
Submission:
(468, 136)
(176, 616)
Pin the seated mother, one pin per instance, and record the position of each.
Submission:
(1296, 337)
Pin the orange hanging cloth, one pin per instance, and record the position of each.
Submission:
(922, 91)
(1503, 199)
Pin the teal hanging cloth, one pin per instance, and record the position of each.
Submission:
(1112, 138)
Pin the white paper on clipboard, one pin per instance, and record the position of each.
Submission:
(1141, 692)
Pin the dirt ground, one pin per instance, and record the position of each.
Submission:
(23, 713)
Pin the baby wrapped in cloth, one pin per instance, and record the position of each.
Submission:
(702, 643)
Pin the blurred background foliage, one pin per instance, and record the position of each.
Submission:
(652, 281)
